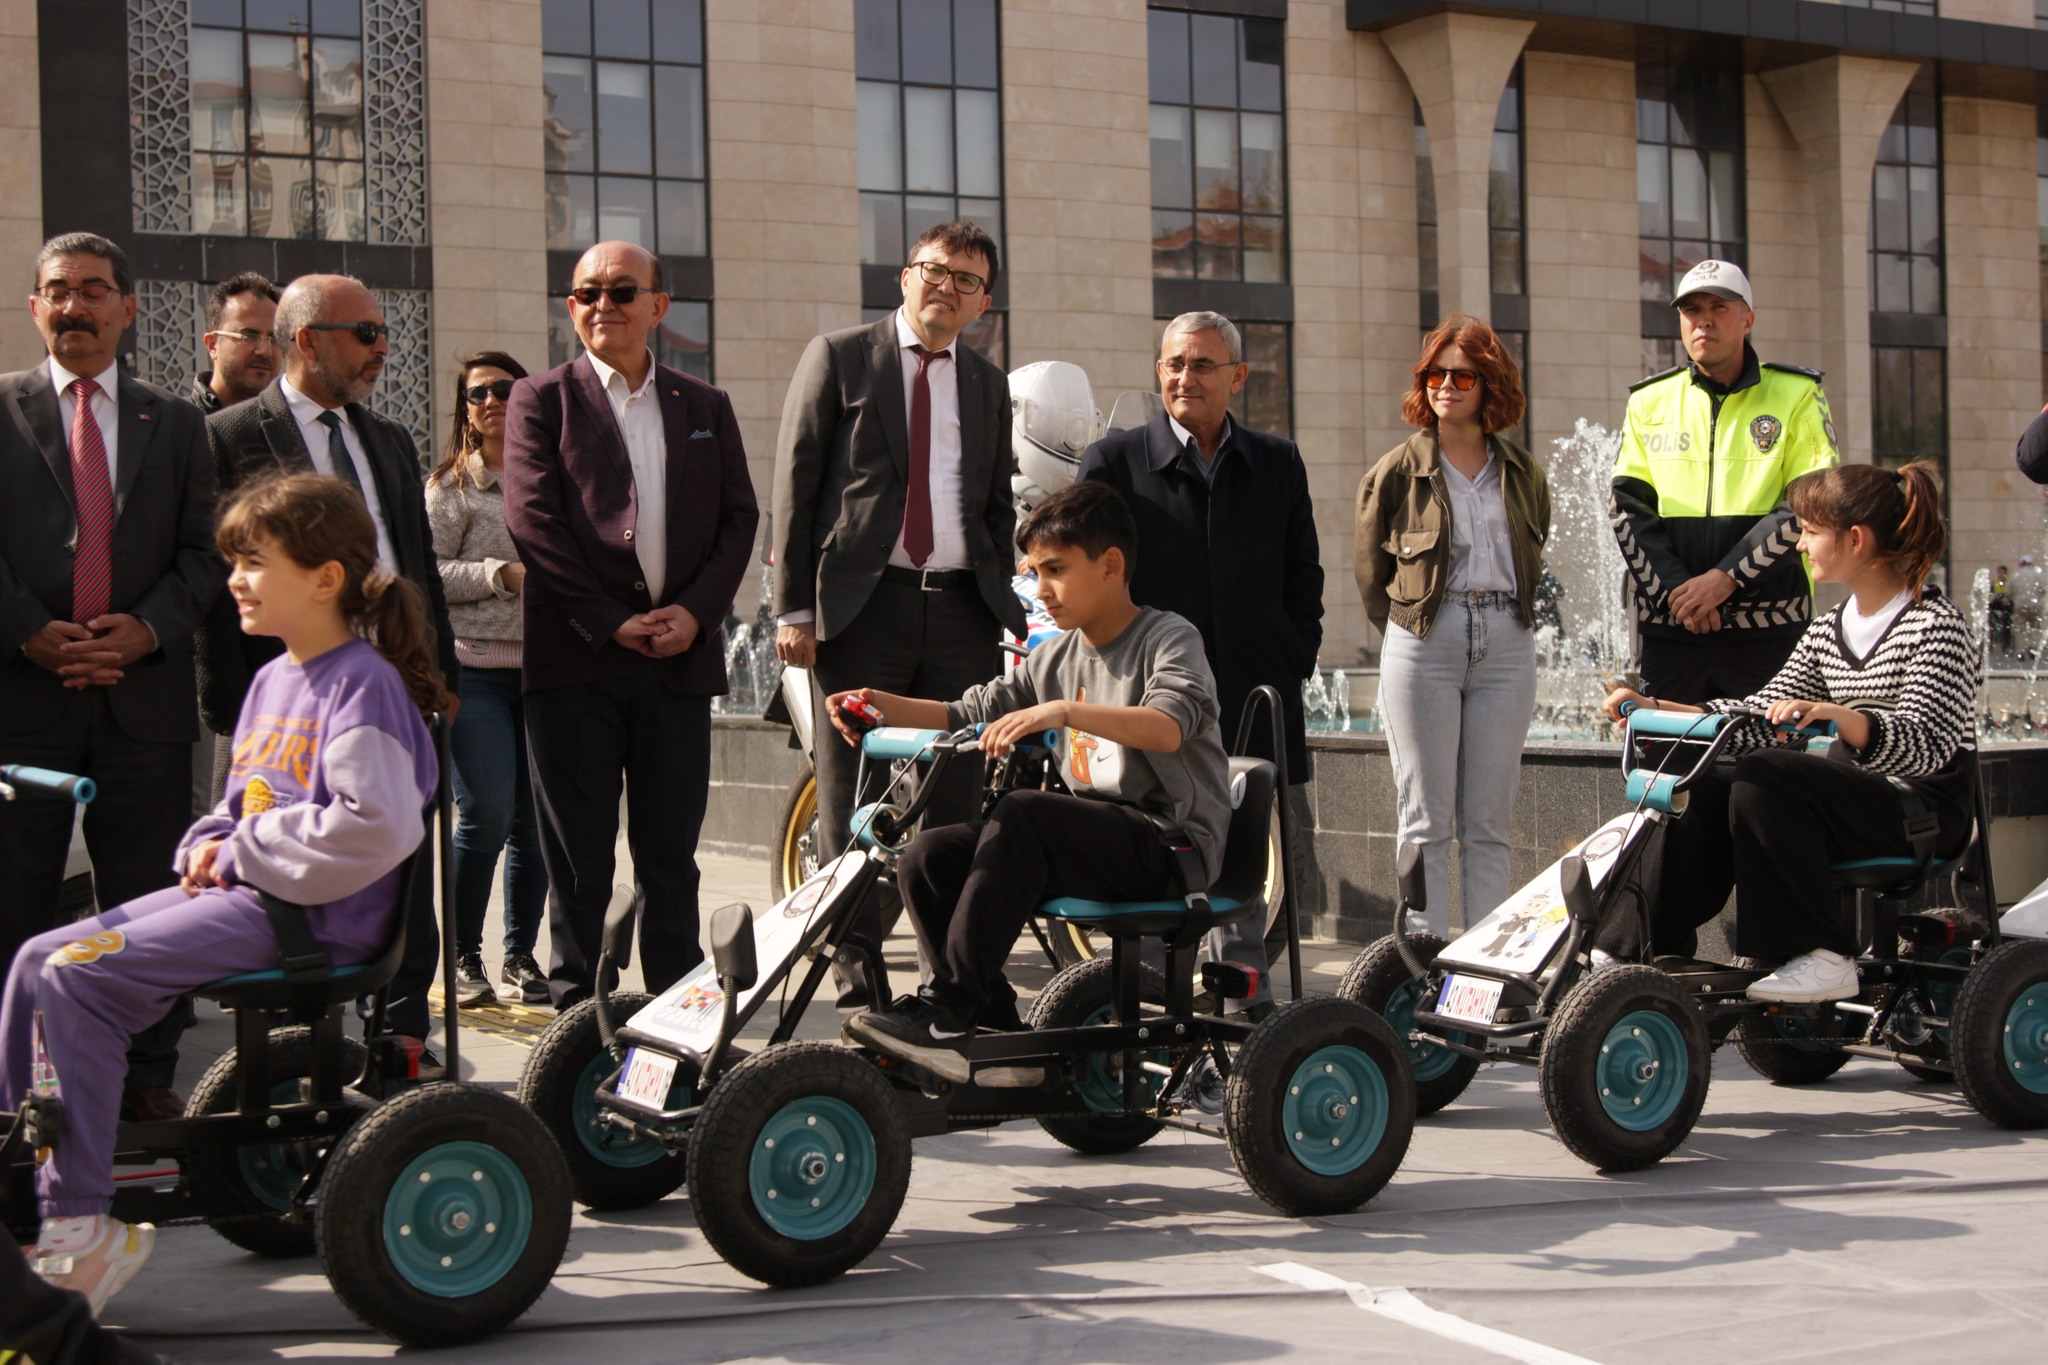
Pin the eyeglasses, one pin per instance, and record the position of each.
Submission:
(1201, 369)
(621, 295)
(500, 389)
(1461, 380)
(369, 333)
(248, 336)
(92, 291)
(935, 275)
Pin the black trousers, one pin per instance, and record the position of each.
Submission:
(585, 744)
(1698, 668)
(971, 887)
(132, 829)
(929, 645)
(1769, 826)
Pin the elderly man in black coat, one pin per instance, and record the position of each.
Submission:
(1227, 539)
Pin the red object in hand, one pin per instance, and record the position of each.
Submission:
(861, 715)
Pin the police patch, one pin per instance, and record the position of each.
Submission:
(1765, 431)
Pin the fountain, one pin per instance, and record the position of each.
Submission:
(753, 672)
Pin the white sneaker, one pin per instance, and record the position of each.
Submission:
(1599, 960)
(1809, 979)
(98, 1259)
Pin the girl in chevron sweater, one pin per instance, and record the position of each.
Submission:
(1895, 668)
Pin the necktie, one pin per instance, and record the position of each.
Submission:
(337, 453)
(92, 486)
(917, 506)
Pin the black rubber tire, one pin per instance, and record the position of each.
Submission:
(558, 1068)
(1761, 1040)
(1070, 1000)
(796, 835)
(728, 1136)
(1266, 1077)
(290, 1058)
(1569, 1071)
(2010, 976)
(1373, 979)
(367, 1181)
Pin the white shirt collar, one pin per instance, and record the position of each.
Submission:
(606, 374)
(107, 379)
(305, 409)
(906, 338)
(1183, 435)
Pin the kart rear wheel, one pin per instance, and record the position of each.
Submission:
(1624, 1068)
(1379, 979)
(1321, 1107)
(1785, 1049)
(609, 1167)
(270, 1173)
(443, 1214)
(799, 1162)
(1999, 1035)
(796, 836)
(1083, 996)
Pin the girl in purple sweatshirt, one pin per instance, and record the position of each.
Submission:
(325, 801)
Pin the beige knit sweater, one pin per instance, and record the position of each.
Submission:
(470, 540)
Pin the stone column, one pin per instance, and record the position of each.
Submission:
(486, 205)
(21, 170)
(1838, 108)
(1458, 64)
(1784, 254)
(1077, 206)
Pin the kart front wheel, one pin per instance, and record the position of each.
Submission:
(1999, 1035)
(1624, 1068)
(609, 1167)
(1379, 979)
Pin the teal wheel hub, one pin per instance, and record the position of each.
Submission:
(614, 1146)
(457, 1218)
(1428, 1060)
(1335, 1114)
(2026, 1039)
(1801, 1032)
(1643, 1070)
(271, 1171)
(813, 1168)
(1099, 1076)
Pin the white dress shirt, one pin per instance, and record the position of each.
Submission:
(313, 431)
(106, 411)
(948, 486)
(1205, 468)
(1482, 554)
(638, 413)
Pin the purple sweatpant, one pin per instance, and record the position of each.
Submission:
(97, 983)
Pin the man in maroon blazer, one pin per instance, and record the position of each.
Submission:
(627, 492)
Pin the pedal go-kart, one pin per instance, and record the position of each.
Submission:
(440, 1211)
(798, 1156)
(1623, 1053)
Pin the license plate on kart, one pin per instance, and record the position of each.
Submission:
(1473, 999)
(648, 1077)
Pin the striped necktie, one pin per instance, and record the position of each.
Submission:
(92, 487)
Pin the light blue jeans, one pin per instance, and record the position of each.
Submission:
(1456, 706)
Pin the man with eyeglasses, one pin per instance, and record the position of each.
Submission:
(1226, 539)
(893, 531)
(106, 567)
(1707, 451)
(314, 420)
(627, 493)
(241, 318)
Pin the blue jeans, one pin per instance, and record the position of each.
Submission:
(494, 811)
(1456, 706)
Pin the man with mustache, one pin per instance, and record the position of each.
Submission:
(241, 321)
(335, 343)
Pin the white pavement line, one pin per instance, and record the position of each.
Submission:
(1402, 1306)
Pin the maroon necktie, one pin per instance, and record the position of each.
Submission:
(92, 563)
(917, 506)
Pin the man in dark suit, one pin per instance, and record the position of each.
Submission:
(627, 493)
(313, 420)
(106, 566)
(1227, 539)
(894, 529)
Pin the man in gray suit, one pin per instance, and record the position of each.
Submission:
(106, 566)
(893, 528)
(335, 344)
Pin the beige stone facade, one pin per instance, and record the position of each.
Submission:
(21, 170)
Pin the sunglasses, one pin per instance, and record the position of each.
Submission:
(500, 389)
(621, 295)
(1461, 380)
(369, 333)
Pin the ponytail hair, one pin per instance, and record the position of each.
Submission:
(1900, 507)
(315, 520)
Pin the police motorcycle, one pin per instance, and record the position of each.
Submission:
(797, 1155)
(439, 1211)
(1622, 1050)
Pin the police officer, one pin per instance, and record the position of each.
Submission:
(1699, 499)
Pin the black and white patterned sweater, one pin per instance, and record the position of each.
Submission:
(1918, 686)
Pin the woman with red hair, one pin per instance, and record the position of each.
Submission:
(1451, 525)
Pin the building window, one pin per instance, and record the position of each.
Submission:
(1689, 177)
(1504, 191)
(1911, 400)
(1219, 182)
(1905, 206)
(1926, 7)
(1425, 221)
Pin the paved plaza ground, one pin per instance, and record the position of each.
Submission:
(1869, 1217)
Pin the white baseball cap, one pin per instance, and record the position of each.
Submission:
(1724, 278)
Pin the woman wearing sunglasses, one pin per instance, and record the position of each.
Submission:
(1451, 525)
(482, 575)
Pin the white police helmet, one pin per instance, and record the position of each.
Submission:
(1053, 419)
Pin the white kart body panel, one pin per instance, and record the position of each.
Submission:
(1524, 931)
(2029, 918)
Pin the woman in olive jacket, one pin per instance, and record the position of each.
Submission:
(1451, 525)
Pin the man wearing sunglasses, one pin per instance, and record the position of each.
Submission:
(314, 420)
(241, 339)
(627, 493)
(893, 528)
